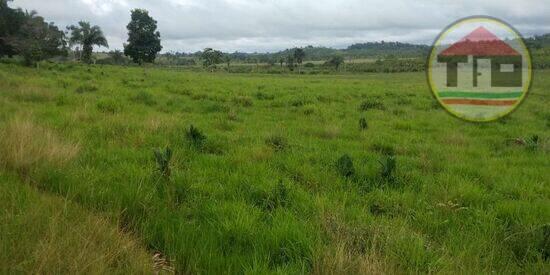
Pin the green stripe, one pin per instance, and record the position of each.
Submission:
(480, 94)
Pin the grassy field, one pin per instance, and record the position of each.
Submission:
(262, 186)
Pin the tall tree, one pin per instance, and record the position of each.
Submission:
(211, 57)
(37, 40)
(335, 61)
(299, 55)
(87, 36)
(290, 62)
(143, 38)
(11, 21)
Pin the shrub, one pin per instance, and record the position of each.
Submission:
(363, 125)
(344, 166)
(371, 104)
(195, 136)
(309, 65)
(163, 158)
(388, 166)
(532, 143)
(278, 143)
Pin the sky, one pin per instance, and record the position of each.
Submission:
(272, 25)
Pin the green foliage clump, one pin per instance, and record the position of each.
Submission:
(196, 137)
(388, 167)
(277, 142)
(163, 158)
(143, 38)
(108, 105)
(87, 36)
(363, 125)
(344, 166)
(532, 142)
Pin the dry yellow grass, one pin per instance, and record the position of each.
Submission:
(24, 145)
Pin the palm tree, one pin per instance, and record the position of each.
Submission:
(87, 36)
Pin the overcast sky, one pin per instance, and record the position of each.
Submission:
(271, 25)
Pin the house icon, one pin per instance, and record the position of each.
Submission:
(491, 61)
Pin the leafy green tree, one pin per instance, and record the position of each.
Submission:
(281, 61)
(299, 55)
(227, 60)
(290, 62)
(37, 40)
(335, 61)
(211, 57)
(11, 21)
(87, 36)
(143, 38)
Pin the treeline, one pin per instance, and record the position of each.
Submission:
(27, 35)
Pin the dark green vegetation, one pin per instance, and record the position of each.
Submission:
(143, 38)
(258, 184)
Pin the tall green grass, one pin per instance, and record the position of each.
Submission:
(262, 192)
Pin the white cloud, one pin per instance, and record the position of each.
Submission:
(267, 25)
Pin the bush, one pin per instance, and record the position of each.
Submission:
(196, 137)
(388, 166)
(363, 125)
(344, 166)
(163, 158)
(278, 143)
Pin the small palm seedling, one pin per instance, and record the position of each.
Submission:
(163, 158)
(344, 166)
(532, 143)
(388, 166)
(277, 198)
(363, 125)
(195, 136)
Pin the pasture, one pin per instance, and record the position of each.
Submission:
(279, 174)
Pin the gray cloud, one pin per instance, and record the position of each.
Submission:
(269, 25)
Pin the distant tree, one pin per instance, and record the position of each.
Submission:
(335, 61)
(143, 38)
(299, 55)
(11, 21)
(37, 40)
(87, 36)
(271, 62)
(227, 60)
(281, 61)
(211, 57)
(290, 62)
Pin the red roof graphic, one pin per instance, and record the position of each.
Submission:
(480, 42)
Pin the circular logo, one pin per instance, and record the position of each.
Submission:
(479, 69)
